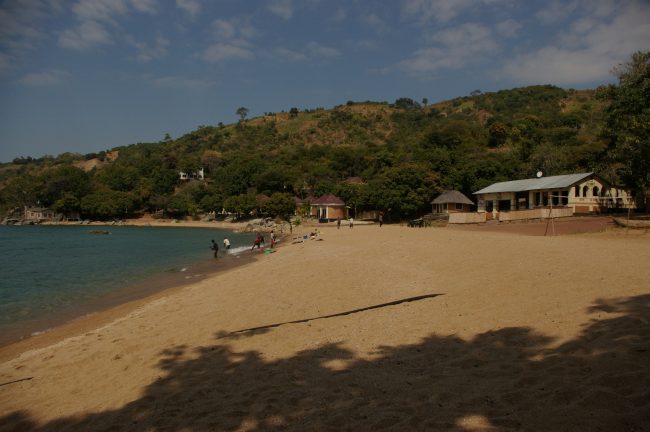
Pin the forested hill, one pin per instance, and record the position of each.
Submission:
(405, 153)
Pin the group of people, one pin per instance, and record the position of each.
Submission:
(215, 246)
(380, 219)
(338, 223)
(259, 241)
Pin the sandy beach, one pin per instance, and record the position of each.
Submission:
(371, 328)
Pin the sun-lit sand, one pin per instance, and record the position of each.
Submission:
(525, 333)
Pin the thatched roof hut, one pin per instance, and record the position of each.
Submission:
(451, 201)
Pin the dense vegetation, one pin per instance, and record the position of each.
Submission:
(405, 152)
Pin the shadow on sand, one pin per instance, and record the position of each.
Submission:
(505, 380)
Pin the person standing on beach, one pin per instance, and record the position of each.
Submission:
(272, 239)
(226, 243)
(338, 223)
(258, 241)
(381, 219)
(215, 248)
(351, 223)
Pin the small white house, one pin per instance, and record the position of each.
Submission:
(38, 214)
(194, 175)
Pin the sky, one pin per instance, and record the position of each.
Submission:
(89, 75)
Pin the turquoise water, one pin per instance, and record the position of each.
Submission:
(55, 271)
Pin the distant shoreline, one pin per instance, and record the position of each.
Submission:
(233, 226)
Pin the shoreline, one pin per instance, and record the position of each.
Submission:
(112, 305)
(174, 223)
(117, 303)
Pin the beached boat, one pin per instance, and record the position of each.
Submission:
(633, 223)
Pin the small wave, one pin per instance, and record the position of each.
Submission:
(36, 333)
(176, 270)
(238, 250)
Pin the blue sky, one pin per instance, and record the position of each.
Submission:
(89, 75)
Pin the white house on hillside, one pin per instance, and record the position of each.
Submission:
(194, 175)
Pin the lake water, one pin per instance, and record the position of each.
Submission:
(52, 273)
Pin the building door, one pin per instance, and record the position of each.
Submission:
(521, 199)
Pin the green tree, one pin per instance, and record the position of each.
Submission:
(628, 123)
(403, 191)
(119, 177)
(242, 112)
(280, 205)
(18, 192)
(107, 204)
(67, 204)
(62, 180)
(242, 204)
(181, 204)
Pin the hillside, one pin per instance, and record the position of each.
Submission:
(405, 152)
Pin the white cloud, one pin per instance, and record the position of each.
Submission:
(281, 8)
(288, 55)
(146, 6)
(148, 52)
(374, 21)
(21, 28)
(227, 51)
(321, 51)
(508, 28)
(85, 36)
(175, 82)
(556, 11)
(453, 48)
(224, 29)
(235, 28)
(368, 44)
(558, 66)
(50, 78)
(441, 10)
(339, 15)
(232, 41)
(5, 62)
(17, 27)
(96, 19)
(191, 7)
(590, 48)
(99, 10)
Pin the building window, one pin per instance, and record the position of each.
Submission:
(596, 191)
(564, 197)
(584, 191)
(459, 206)
(577, 191)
